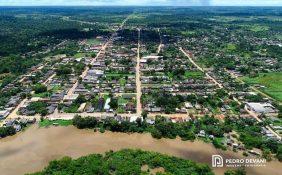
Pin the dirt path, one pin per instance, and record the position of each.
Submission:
(201, 69)
(160, 45)
(138, 79)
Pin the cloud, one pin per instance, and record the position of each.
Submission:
(139, 2)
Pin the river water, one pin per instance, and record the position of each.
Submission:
(31, 150)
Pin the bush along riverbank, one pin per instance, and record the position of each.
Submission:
(126, 162)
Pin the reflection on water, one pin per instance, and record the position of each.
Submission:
(32, 150)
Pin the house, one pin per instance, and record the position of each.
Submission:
(107, 104)
(4, 113)
(17, 128)
(57, 97)
(150, 121)
(81, 107)
(95, 72)
(130, 107)
(188, 105)
(153, 57)
(69, 99)
(143, 61)
(202, 133)
(155, 109)
(51, 108)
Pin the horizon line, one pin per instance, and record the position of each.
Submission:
(140, 6)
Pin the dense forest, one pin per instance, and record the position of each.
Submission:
(128, 162)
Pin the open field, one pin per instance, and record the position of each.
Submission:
(46, 123)
(271, 81)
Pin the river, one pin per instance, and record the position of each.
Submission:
(31, 150)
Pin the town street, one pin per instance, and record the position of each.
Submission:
(102, 50)
(201, 69)
(161, 44)
(138, 80)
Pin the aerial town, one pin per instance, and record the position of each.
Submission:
(214, 78)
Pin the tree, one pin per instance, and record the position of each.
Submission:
(113, 103)
(144, 114)
(63, 70)
(39, 88)
(266, 153)
(80, 99)
(156, 134)
(279, 153)
(235, 172)
(7, 131)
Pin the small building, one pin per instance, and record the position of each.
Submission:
(81, 107)
(70, 98)
(202, 133)
(4, 113)
(107, 104)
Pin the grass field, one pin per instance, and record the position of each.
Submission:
(272, 82)
(93, 41)
(258, 28)
(189, 74)
(231, 47)
(46, 123)
(79, 55)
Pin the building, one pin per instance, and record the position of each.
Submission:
(68, 99)
(4, 113)
(261, 108)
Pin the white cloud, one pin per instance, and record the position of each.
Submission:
(139, 2)
(248, 2)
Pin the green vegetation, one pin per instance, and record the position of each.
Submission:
(231, 47)
(250, 135)
(63, 70)
(258, 28)
(235, 172)
(272, 82)
(194, 75)
(46, 122)
(7, 131)
(75, 105)
(125, 162)
(39, 88)
(161, 128)
(93, 41)
(38, 108)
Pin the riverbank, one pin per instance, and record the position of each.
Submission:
(31, 150)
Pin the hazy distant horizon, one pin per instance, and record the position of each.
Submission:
(140, 3)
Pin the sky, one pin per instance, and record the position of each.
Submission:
(141, 2)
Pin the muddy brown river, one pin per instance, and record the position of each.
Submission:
(31, 150)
